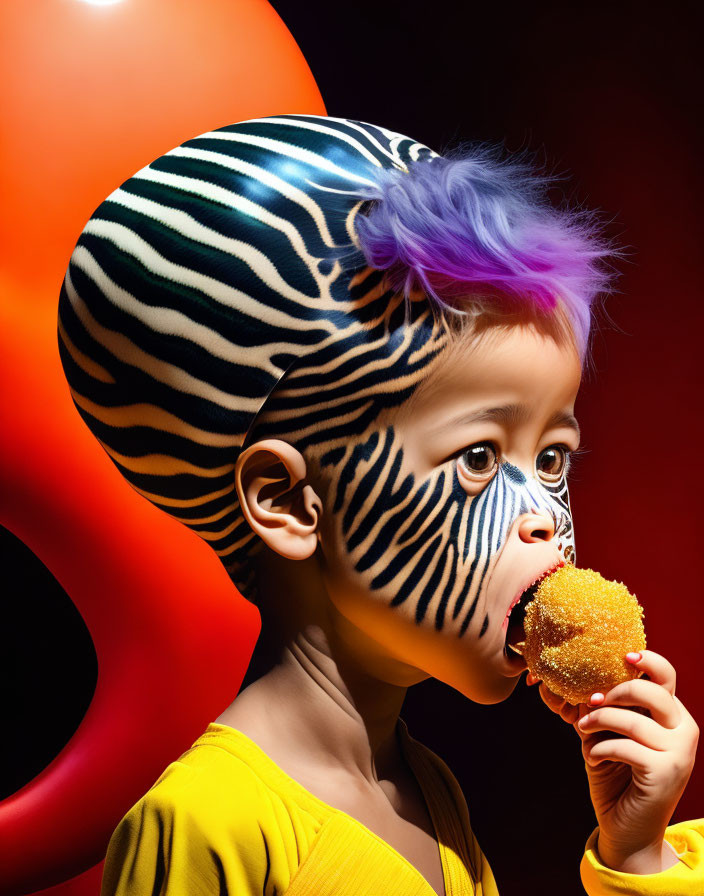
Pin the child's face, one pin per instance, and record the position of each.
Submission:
(437, 524)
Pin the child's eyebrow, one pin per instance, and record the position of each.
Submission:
(508, 415)
(561, 418)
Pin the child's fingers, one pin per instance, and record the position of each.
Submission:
(647, 694)
(633, 725)
(569, 713)
(550, 699)
(558, 705)
(657, 668)
(617, 750)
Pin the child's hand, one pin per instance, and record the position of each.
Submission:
(639, 744)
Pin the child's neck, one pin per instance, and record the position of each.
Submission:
(323, 685)
(329, 720)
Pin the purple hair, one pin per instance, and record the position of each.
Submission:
(468, 224)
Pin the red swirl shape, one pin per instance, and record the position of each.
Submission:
(93, 93)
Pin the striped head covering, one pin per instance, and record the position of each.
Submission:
(221, 291)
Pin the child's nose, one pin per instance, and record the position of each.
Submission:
(536, 527)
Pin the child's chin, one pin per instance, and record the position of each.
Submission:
(497, 690)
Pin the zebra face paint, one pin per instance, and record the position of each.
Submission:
(430, 536)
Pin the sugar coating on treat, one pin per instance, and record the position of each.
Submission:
(578, 629)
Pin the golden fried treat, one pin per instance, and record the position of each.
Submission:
(578, 629)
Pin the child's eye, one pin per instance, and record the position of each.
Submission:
(551, 463)
(480, 459)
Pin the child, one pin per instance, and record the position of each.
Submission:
(351, 364)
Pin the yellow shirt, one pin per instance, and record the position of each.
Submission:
(225, 819)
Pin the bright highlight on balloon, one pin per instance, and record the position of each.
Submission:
(101, 2)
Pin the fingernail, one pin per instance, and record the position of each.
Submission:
(634, 657)
(596, 698)
(583, 721)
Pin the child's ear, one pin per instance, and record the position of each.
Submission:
(275, 499)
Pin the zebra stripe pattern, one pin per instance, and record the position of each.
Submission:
(428, 544)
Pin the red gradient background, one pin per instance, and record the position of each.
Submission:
(606, 94)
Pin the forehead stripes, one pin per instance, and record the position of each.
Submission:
(338, 392)
(429, 542)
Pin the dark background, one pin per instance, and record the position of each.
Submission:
(607, 93)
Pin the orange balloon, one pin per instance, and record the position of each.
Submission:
(92, 93)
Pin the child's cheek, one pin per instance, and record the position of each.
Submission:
(425, 546)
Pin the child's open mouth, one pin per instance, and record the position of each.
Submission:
(515, 632)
